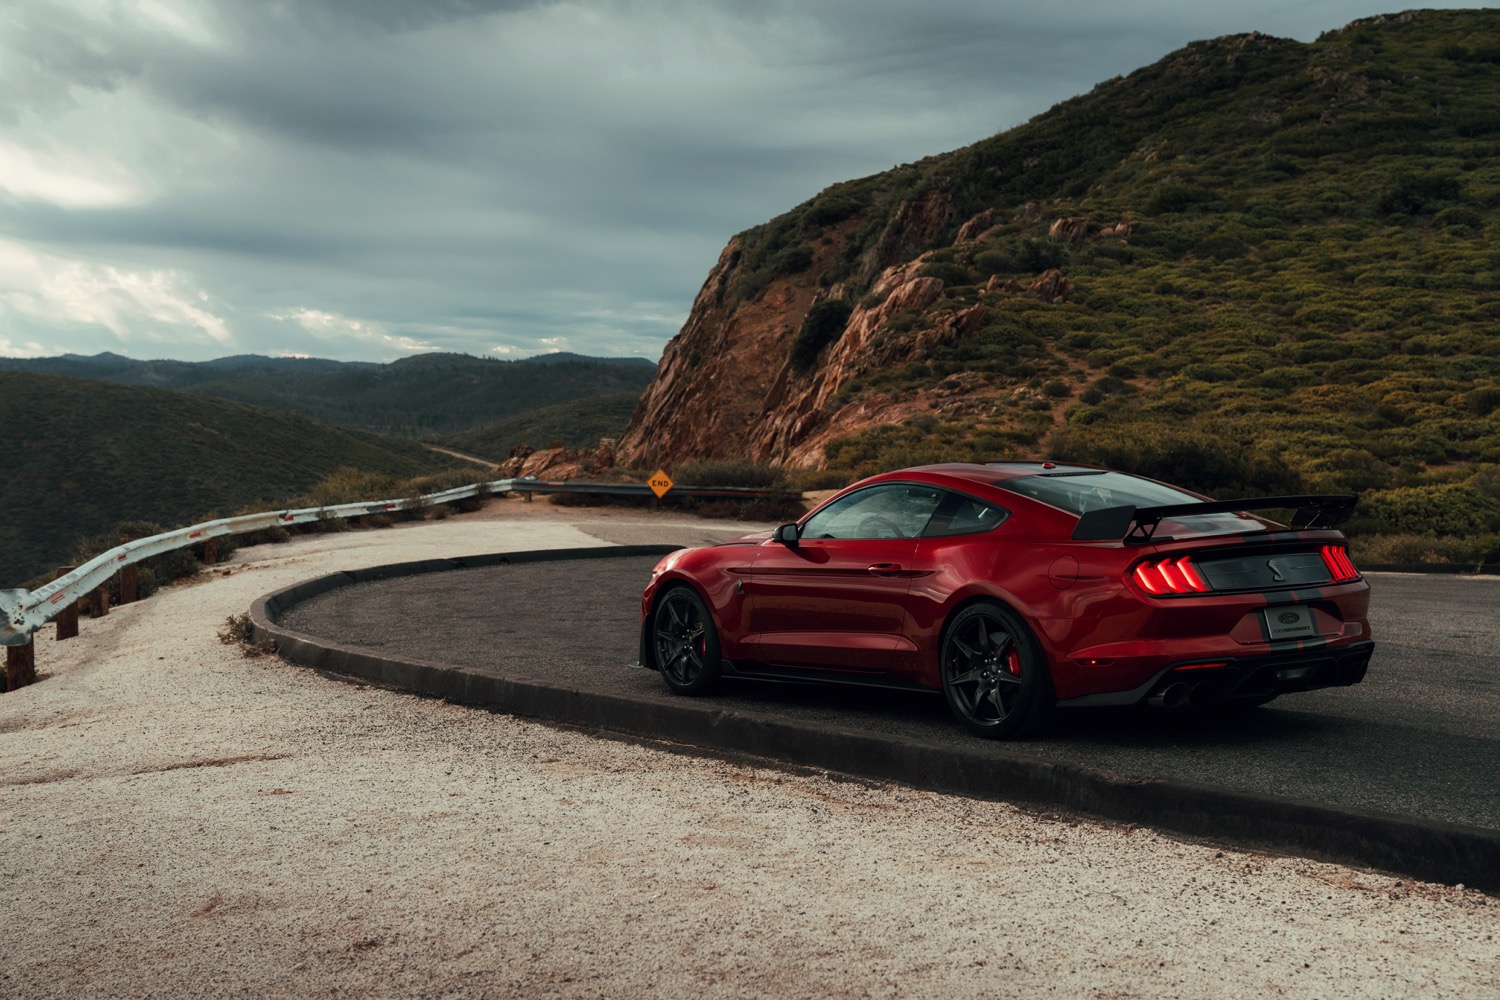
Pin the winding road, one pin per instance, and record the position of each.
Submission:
(1419, 738)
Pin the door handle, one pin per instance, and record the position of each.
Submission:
(885, 569)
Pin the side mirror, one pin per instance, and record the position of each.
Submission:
(787, 535)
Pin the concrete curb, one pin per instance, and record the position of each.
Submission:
(1422, 849)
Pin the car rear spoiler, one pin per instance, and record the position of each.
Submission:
(1139, 523)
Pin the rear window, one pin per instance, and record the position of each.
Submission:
(1080, 492)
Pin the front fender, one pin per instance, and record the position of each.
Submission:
(715, 572)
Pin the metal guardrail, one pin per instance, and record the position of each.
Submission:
(23, 612)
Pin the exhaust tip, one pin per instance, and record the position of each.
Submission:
(1174, 695)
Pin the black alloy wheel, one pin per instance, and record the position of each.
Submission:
(994, 675)
(685, 642)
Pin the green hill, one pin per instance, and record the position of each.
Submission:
(421, 396)
(87, 455)
(577, 424)
(1305, 293)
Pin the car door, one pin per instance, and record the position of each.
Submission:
(836, 601)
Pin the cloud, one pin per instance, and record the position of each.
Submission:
(163, 306)
(24, 349)
(60, 178)
(464, 174)
(332, 327)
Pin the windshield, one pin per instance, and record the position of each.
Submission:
(1079, 492)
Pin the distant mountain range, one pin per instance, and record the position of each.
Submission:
(85, 456)
(423, 396)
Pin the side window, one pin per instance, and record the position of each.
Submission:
(963, 515)
(890, 510)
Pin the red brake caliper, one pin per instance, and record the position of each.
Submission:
(1013, 662)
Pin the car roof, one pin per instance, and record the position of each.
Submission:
(990, 473)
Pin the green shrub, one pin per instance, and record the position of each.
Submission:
(823, 325)
(1458, 216)
(730, 472)
(151, 574)
(949, 274)
(1420, 193)
(1177, 198)
(829, 209)
(350, 485)
(1412, 549)
(1446, 509)
(792, 260)
(1038, 254)
(995, 262)
(1198, 459)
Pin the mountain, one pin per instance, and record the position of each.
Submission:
(1257, 264)
(578, 424)
(425, 395)
(87, 455)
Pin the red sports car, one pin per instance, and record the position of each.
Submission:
(1019, 587)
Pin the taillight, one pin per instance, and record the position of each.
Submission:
(1172, 575)
(1340, 566)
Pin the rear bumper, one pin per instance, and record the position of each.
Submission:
(1244, 678)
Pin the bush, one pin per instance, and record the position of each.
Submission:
(994, 262)
(350, 485)
(823, 325)
(948, 274)
(1420, 193)
(730, 472)
(1197, 458)
(1177, 198)
(1445, 509)
(1036, 254)
(807, 480)
(792, 260)
(1411, 549)
(151, 574)
(829, 209)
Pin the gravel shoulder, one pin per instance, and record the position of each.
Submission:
(180, 820)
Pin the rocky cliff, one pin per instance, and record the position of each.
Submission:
(728, 385)
(1256, 263)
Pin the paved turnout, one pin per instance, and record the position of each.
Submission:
(1419, 737)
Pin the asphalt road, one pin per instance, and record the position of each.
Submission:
(1418, 738)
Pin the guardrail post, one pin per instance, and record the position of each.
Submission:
(99, 601)
(20, 666)
(67, 618)
(210, 552)
(130, 584)
(67, 622)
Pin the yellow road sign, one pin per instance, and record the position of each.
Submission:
(660, 483)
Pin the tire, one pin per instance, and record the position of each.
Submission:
(685, 642)
(994, 674)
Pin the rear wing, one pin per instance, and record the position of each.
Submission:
(1139, 523)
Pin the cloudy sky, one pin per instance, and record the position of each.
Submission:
(368, 179)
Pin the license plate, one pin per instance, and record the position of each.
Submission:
(1289, 623)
